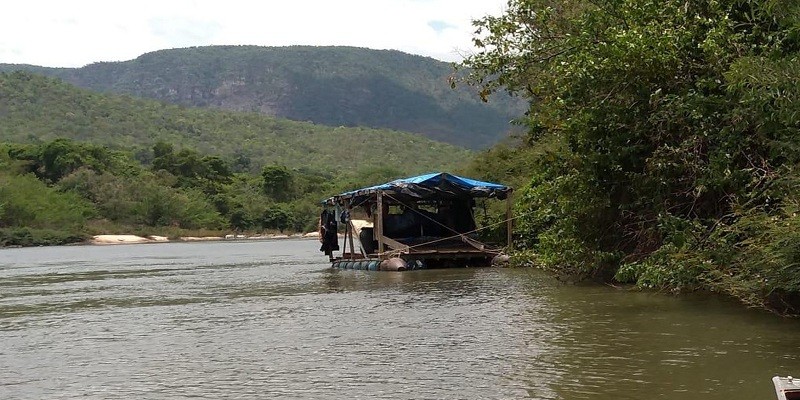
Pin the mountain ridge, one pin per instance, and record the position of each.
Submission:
(333, 85)
(36, 109)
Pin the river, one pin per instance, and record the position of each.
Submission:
(270, 319)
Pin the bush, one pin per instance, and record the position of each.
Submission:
(38, 237)
(26, 201)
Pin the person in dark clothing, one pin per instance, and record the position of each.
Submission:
(328, 232)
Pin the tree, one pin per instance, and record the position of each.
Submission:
(277, 216)
(163, 149)
(27, 202)
(658, 123)
(239, 220)
(277, 182)
(241, 162)
(60, 157)
(208, 173)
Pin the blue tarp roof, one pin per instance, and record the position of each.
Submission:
(429, 186)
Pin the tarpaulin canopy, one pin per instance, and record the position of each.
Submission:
(439, 185)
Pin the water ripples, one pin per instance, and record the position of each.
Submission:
(269, 319)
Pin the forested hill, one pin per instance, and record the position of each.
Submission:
(36, 109)
(337, 86)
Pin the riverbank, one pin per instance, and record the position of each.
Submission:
(134, 239)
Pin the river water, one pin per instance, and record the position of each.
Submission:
(270, 319)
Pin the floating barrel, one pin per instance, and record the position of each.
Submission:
(416, 264)
(501, 260)
(373, 265)
(393, 264)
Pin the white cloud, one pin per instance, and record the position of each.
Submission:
(74, 33)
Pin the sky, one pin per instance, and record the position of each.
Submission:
(73, 33)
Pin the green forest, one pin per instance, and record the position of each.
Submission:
(74, 163)
(662, 141)
(64, 191)
(36, 109)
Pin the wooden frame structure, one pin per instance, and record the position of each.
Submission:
(455, 248)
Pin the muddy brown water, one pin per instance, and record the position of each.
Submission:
(270, 319)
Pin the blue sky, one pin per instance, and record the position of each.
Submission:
(74, 33)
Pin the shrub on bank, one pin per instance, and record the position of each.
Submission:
(11, 237)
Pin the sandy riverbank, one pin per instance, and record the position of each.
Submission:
(133, 239)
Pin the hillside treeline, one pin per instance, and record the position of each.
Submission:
(663, 140)
(37, 109)
(63, 191)
(75, 163)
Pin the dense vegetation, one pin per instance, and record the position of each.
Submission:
(76, 163)
(662, 143)
(38, 109)
(336, 86)
(62, 191)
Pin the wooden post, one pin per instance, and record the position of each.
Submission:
(509, 221)
(336, 214)
(379, 222)
(349, 229)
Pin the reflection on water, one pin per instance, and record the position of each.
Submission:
(270, 319)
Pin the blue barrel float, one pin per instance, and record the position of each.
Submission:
(392, 264)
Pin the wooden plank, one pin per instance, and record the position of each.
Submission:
(350, 228)
(449, 251)
(394, 244)
(378, 223)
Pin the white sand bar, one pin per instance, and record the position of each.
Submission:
(119, 239)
